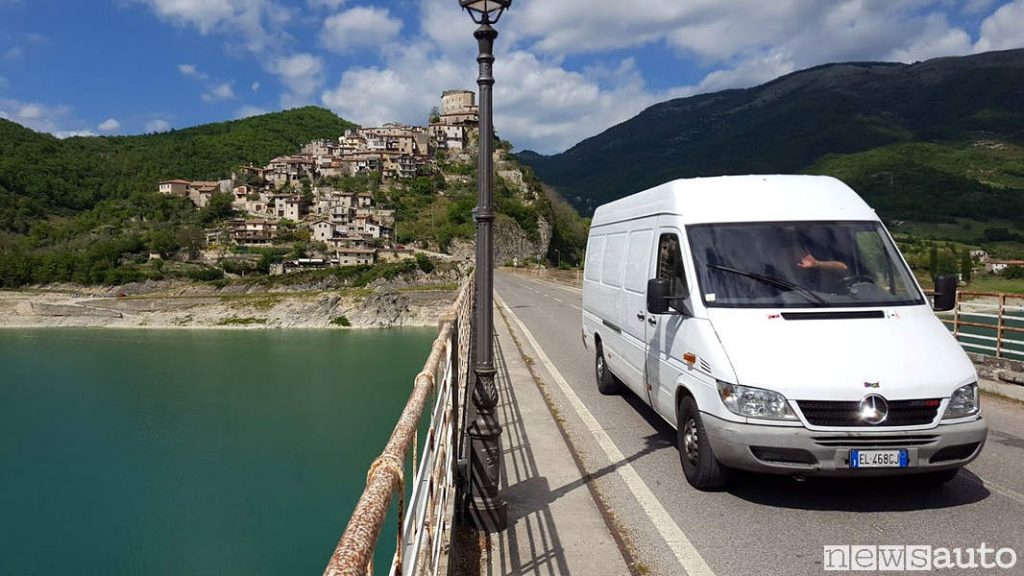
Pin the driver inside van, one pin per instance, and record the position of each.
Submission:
(809, 261)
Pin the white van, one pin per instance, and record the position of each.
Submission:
(772, 321)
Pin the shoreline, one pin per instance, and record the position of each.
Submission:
(384, 307)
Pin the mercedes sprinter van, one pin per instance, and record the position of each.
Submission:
(772, 321)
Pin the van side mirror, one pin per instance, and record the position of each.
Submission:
(945, 294)
(658, 297)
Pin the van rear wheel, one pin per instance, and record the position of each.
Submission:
(700, 466)
(606, 382)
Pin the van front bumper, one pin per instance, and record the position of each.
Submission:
(799, 451)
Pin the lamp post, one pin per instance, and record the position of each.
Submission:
(486, 511)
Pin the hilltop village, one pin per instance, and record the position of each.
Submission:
(306, 189)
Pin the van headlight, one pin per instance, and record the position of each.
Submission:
(963, 402)
(755, 402)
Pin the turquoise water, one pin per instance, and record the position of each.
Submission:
(191, 452)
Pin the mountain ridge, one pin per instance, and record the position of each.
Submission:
(793, 122)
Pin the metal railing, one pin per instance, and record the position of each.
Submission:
(425, 521)
(989, 323)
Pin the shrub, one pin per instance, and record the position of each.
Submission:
(425, 263)
(206, 274)
(341, 321)
(1014, 272)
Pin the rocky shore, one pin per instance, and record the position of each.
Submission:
(416, 302)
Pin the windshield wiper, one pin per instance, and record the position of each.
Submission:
(773, 281)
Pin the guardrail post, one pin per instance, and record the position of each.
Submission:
(956, 317)
(1000, 325)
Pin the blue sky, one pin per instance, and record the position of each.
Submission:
(566, 70)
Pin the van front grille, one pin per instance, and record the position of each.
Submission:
(842, 414)
(874, 441)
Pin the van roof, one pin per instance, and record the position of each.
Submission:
(755, 198)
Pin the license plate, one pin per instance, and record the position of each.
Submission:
(879, 459)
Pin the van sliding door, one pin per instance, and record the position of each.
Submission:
(634, 304)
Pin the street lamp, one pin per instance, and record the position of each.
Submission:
(486, 511)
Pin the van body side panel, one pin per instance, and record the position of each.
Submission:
(611, 308)
(592, 324)
(634, 303)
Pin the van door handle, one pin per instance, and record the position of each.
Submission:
(640, 316)
(652, 321)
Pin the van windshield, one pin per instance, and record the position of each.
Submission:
(800, 265)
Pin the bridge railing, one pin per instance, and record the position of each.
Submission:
(424, 520)
(989, 323)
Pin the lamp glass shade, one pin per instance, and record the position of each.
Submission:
(487, 7)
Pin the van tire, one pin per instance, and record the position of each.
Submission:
(607, 384)
(700, 466)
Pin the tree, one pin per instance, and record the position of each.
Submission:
(966, 265)
(218, 208)
(933, 260)
(191, 238)
(1014, 272)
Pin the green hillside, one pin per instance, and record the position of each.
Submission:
(929, 141)
(935, 182)
(86, 210)
(43, 176)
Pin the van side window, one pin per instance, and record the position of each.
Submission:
(595, 253)
(670, 264)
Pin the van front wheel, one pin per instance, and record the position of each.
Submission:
(701, 468)
(606, 382)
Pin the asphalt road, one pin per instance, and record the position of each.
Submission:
(760, 525)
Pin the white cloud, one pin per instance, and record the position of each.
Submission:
(30, 111)
(62, 134)
(1004, 29)
(55, 119)
(222, 91)
(14, 53)
(157, 125)
(359, 27)
(255, 86)
(976, 6)
(253, 25)
(247, 111)
(110, 125)
(203, 14)
(302, 74)
(937, 38)
(191, 71)
(327, 4)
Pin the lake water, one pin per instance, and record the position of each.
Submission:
(192, 452)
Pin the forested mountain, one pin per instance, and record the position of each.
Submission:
(927, 141)
(43, 176)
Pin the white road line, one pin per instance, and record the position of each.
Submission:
(572, 289)
(522, 284)
(999, 489)
(674, 537)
